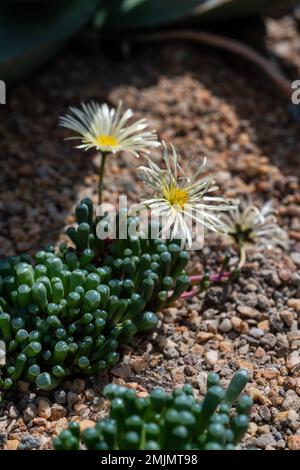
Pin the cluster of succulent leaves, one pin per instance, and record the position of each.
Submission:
(172, 422)
(146, 273)
(66, 313)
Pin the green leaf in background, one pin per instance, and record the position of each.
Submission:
(134, 14)
(32, 31)
(137, 14)
(213, 11)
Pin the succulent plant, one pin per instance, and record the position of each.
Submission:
(171, 422)
(53, 321)
(66, 313)
(152, 267)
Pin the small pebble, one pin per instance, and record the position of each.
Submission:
(60, 397)
(225, 326)
(287, 317)
(30, 412)
(257, 333)
(294, 442)
(57, 412)
(291, 401)
(13, 412)
(72, 398)
(212, 356)
(3, 438)
(43, 408)
(29, 442)
(296, 257)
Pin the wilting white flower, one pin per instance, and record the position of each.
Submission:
(180, 199)
(107, 129)
(253, 226)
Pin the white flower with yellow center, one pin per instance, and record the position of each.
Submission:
(181, 200)
(107, 129)
(250, 226)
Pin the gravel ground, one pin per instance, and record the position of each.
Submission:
(207, 104)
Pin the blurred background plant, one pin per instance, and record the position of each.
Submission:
(136, 14)
(33, 30)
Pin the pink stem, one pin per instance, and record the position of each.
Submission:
(197, 278)
(190, 293)
(212, 278)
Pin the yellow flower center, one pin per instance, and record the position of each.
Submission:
(177, 196)
(106, 141)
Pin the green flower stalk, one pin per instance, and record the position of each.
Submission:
(167, 422)
(101, 177)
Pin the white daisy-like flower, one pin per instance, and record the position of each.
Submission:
(249, 226)
(181, 200)
(107, 129)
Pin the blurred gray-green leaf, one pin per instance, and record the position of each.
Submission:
(137, 14)
(32, 31)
